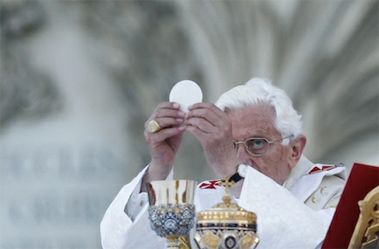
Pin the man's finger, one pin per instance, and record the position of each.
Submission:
(198, 133)
(201, 124)
(206, 114)
(168, 105)
(163, 134)
(211, 108)
(169, 122)
(173, 113)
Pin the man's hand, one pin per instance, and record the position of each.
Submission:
(213, 129)
(164, 143)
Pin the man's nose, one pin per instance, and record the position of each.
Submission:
(243, 156)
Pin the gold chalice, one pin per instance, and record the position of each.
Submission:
(171, 211)
(226, 226)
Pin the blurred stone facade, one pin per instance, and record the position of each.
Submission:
(78, 79)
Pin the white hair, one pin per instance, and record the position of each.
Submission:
(287, 121)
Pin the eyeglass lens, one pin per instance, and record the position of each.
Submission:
(257, 145)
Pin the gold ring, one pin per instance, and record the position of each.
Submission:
(153, 126)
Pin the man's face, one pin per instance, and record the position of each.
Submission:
(258, 121)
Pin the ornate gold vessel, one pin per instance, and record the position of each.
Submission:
(171, 211)
(226, 226)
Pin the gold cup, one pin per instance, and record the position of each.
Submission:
(171, 210)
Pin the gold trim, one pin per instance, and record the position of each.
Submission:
(367, 228)
(226, 223)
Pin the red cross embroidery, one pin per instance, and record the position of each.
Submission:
(210, 184)
(317, 169)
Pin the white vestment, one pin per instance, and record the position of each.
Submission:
(293, 216)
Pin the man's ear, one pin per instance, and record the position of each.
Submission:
(296, 149)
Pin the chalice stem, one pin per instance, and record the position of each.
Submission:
(181, 242)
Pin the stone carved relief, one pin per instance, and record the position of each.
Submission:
(323, 53)
(146, 51)
(24, 91)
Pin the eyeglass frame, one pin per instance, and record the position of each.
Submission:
(244, 143)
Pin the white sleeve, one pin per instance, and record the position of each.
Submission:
(283, 221)
(121, 230)
(136, 203)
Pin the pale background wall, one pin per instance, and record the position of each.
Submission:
(79, 78)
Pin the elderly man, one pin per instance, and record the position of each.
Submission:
(253, 125)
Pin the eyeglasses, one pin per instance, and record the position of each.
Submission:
(257, 146)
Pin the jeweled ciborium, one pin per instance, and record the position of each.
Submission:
(171, 211)
(226, 226)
